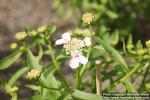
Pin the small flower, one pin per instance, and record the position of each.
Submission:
(76, 59)
(73, 44)
(33, 33)
(42, 28)
(14, 89)
(13, 45)
(20, 35)
(87, 18)
(33, 74)
(65, 38)
(148, 43)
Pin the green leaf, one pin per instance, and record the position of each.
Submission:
(85, 96)
(9, 60)
(97, 51)
(34, 87)
(40, 53)
(17, 75)
(113, 53)
(112, 14)
(53, 28)
(114, 38)
(35, 97)
(32, 61)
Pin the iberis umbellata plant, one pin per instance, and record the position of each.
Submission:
(91, 57)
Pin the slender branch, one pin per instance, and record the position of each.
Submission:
(126, 76)
(78, 79)
(89, 49)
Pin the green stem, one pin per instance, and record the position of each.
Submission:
(55, 62)
(89, 50)
(77, 79)
(126, 76)
(93, 81)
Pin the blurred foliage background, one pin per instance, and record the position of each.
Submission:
(126, 16)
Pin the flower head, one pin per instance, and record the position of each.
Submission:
(74, 46)
(20, 35)
(148, 43)
(42, 28)
(87, 18)
(14, 89)
(33, 74)
(13, 45)
(33, 33)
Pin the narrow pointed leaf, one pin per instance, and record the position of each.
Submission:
(113, 53)
(18, 74)
(32, 61)
(9, 60)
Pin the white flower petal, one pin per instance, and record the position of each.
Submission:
(82, 59)
(87, 41)
(74, 63)
(59, 42)
(66, 36)
(75, 53)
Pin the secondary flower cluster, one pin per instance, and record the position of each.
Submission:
(22, 35)
(74, 47)
(33, 74)
(13, 89)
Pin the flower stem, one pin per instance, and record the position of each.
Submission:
(89, 50)
(55, 62)
(77, 79)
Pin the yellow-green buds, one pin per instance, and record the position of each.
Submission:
(148, 43)
(42, 28)
(33, 74)
(87, 18)
(13, 45)
(33, 33)
(20, 36)
(13, 89)
(129, 46)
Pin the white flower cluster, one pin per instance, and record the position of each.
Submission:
(74, 46)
